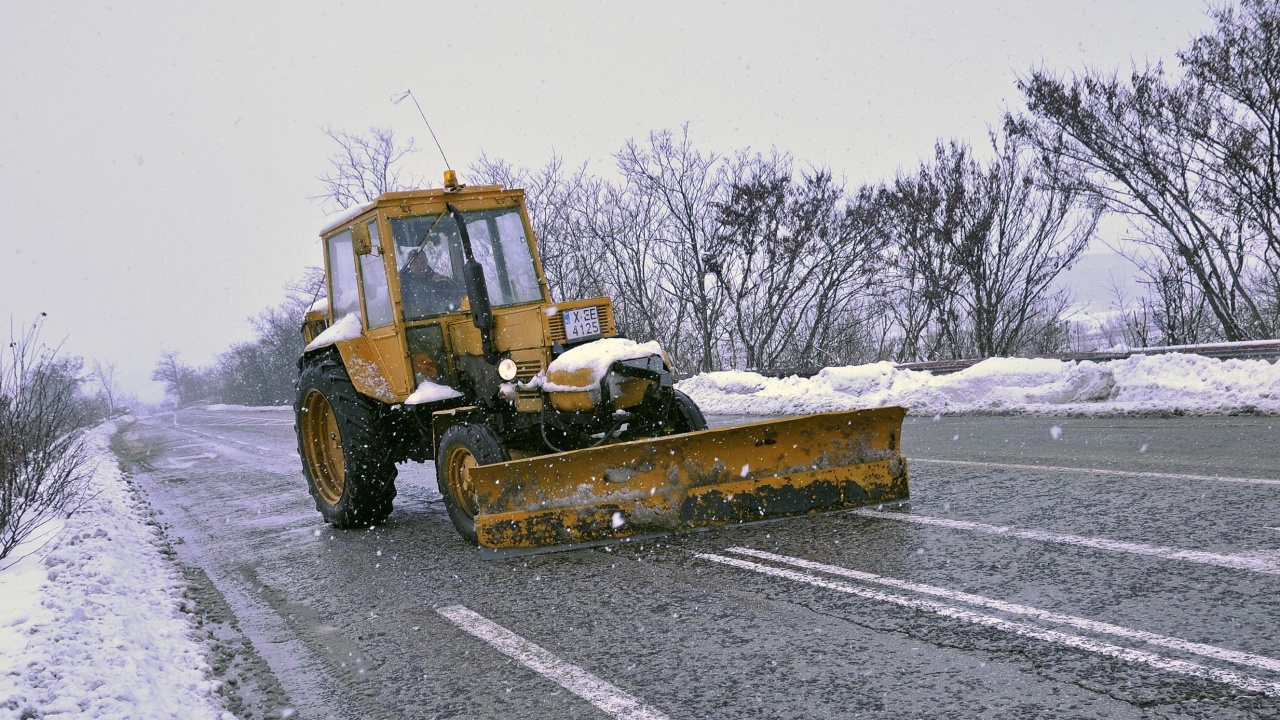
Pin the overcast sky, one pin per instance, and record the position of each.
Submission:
(159, 159)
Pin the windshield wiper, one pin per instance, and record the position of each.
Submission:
(418, 250)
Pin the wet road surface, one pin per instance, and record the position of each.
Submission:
(1044, 567)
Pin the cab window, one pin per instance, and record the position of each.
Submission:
(429, 258)
(429, 264)
(373, 276)
(345, 296)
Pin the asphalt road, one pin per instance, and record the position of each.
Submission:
(1044, 568)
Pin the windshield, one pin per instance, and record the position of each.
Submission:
(429, 257)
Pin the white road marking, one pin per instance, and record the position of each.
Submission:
(223, 419)
(604, 696)
(245, 422)
(1212, 651)
(1259, 562)
(1160, 662)
(227, 439)
(1100, 471)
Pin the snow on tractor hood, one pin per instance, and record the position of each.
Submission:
(585, 366)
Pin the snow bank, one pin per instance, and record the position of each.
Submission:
(93, 624)
(348, 328)
(586, 365)
(1141, 383)
(429, 392)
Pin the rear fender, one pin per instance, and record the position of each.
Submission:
(365, 368)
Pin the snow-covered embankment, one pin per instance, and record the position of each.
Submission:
(1173, 383)
(93, 624)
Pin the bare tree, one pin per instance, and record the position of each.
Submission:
(1195, 164)
(104, 376)
(789, 258)
(182, 382)
(976, 248)
(926, 215)
(1174, 305)
(1041, 221)
(261, 371)
(42, 460)
(1239, 67)
(1131, 326)
(555, 197)
(364, 167)
(626, 223)
(1134, 144)
(683, 183)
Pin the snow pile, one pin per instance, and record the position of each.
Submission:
(585, 365)
(429, 392)
(92, 624)
(348, 328)
(1175, 382)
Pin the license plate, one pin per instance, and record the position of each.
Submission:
(581, 323)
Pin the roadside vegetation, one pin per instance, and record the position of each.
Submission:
(46, 399)
(742, 259)
(260, 371)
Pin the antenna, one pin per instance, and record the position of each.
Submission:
(409, 94)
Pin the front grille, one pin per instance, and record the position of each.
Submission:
(526, 369)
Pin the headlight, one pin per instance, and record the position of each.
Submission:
(507, 369)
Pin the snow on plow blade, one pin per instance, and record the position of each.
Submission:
(796, 466)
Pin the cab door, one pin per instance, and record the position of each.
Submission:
(379, 315)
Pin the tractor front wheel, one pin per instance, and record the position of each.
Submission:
(464, 446)
(685, 416)
(344, 455)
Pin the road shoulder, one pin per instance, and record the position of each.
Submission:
(244, 679)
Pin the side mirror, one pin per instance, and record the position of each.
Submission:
(477, 288)
(360, 239)
(473, 275)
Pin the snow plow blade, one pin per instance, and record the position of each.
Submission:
(729, 475)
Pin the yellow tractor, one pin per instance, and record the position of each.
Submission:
(438, 340)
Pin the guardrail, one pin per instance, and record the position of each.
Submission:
(1268, 350)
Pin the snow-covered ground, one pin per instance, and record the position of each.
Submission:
(1174, 383)
(93, 623)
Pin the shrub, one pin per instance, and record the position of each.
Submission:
(42, 459)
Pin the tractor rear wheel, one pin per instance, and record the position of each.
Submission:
(345, 457)
(464, 446)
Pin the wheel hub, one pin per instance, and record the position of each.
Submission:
(460, 463)
(322, 447)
